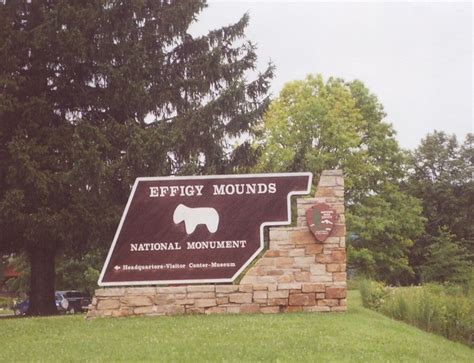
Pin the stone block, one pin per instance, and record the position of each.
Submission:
(336, 293)
(194, 310)
(313, 249)
(339, 276)
(137, 300)
(302, 299)
(281, 302)
(205, 303)
(325, 192)
(260, 287)
(339, 230)
(250, 308)
(342, 242)
(302, 276)
(166, 299)
(261, 295)
(278, 234)
(313, 288)
(226, 288)
(301, 222)
(240, 298)
(302, 262)
(185, 302)
(284, 262)
(279, 294)
(297, 252)
(320, 295)
(327, 181)
(285, 279)
(317, 269)
(321, 278)
(222, 300)
(338, 257)
(328, 302)
(266, 261)
(304, 237)
(108, 304)
(171, 290)
(143, 310)
(246, 288)
(272, 253)
(201, 288)
(150, 291)
(290, 286)
(201, 295)
(110, 291)
(336, 267)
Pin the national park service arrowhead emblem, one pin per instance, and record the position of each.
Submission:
(321, 219)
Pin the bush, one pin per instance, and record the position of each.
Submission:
(6, 302)
(373, 294)
(443, 310)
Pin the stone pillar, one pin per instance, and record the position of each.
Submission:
(296, 273)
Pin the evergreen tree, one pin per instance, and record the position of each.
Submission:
(446, 260)
(440, 175)
(96, 93)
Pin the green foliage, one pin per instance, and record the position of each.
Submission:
(373, 294)
(6, 302)
(21, 284)
(443, 310)
(383, 229)
(440, 175)
(95, 94)
(79, 274)
(315, 125)
(446, 260)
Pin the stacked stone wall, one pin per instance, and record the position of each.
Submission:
(296, 273)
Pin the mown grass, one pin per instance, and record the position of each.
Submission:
(359, 335)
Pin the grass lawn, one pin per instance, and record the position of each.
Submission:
(358, 335)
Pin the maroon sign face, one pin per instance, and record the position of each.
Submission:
(321, 219)
(197, 229)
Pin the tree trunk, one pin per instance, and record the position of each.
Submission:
(42, 300)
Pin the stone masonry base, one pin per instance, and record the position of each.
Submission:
(296, 273)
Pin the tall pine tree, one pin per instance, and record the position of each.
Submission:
(95, 93)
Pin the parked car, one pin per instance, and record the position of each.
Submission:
(66, 302)
(20, 307)
(76, 301)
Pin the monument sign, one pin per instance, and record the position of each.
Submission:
(197, 229)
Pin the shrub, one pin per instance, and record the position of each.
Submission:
(373, 294)
(443, 310)
(6, 302)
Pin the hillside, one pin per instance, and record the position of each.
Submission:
(358, 335)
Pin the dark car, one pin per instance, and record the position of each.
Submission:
(20, 307)
(74, 301)
(66, 302)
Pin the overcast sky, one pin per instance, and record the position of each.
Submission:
(415, 56)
